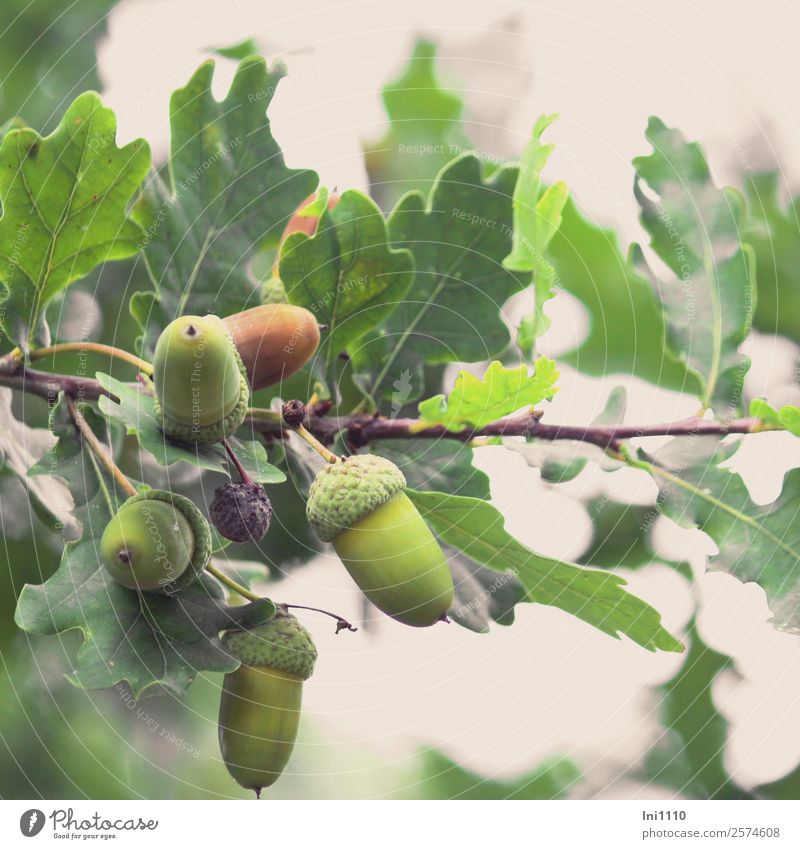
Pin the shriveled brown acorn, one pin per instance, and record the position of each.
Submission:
(241, 511)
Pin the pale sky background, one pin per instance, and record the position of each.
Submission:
(727, 76)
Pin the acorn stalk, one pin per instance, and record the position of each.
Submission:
(360, 506)
(260, 706)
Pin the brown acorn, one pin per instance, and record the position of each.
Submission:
(273, 340)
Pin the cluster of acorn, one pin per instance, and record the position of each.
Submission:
(158, 542)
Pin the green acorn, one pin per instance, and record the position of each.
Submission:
(361, 507)
(157, 542)
(201, 384)
(259, 710)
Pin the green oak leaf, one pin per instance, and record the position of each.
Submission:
(537, 217)
(142, 638)
(425, 130)
(23, 450)
(787, 418)
(64, 199)
(477, 529)
(443, 778)
(474, 402)
(145, 639)
(695, 229)
(481, 595)
(689, 755)
(136, 412)
(459, 238)
(626, 323)
(228, 194)
(622, 536)
(772, 229)
(756, 542)
(346, 274)
(441, 464)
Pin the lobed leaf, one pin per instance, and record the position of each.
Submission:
(425, 130)
(475, 402)
(134, 408)
(477, 529)
(346, 273)
(756, 542)
(689, 755)
(537, 217)
(228, 194)
(452, 311)
(23, 451)
(695, 228)
(627, 333)
(772, 228)
(64, 200)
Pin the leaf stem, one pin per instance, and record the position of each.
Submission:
(230, 583)
(98, 449)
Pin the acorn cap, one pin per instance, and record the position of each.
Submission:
(345, 492)
(282, 643)
(201, 553)
(216, 431)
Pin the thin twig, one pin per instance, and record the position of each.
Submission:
(341, 623)
(98, 448)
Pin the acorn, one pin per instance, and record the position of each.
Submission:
(200, 381)
(241, 511)
(259, 710)
(157, 542)
(273, 340)
(360, 505)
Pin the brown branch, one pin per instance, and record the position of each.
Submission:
(361, 429)
(48, 386)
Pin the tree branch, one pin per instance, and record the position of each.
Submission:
(361, 429)
(48, 386)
